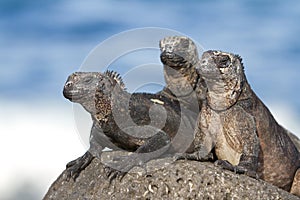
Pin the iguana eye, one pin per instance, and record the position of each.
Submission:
(88, 79)
(223, 61)
(185, 44)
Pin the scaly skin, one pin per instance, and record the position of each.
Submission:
(180, 57)
(138, 122)
(239, 127)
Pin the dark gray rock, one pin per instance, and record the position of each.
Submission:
(164, 179)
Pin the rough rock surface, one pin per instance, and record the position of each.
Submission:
(177, 180)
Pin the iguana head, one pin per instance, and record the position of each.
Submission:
(224, 76)
(180, 56)
(81, 86)
(178, 51)
(93, 90)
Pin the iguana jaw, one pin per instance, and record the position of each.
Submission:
(172, 59)
(73, 95)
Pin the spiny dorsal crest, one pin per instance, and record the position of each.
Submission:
(116, 76)
(240, 59)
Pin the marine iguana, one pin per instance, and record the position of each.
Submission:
(180, 57)
(138, 122)
(240, 129)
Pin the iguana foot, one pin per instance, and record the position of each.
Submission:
(74, 167)
(194, 156)
(236, 169)
(121, 165)
(112, 173)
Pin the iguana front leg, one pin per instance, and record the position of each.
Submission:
(204, 139)
(97, 141)
(200, 155)
(238, 145)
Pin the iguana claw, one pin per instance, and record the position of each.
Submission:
(74, 168)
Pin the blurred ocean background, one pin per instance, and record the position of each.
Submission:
(42, 42)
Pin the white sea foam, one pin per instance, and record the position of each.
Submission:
(36, 143)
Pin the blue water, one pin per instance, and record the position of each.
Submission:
(41, 43)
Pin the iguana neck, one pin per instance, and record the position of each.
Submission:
(101, 105)
(181, 82)
(90, 106)
(221, 96)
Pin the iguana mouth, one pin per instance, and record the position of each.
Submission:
(74, 95)
(172, 59)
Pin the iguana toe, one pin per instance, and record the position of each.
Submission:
(224, 164)
(74, 168)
